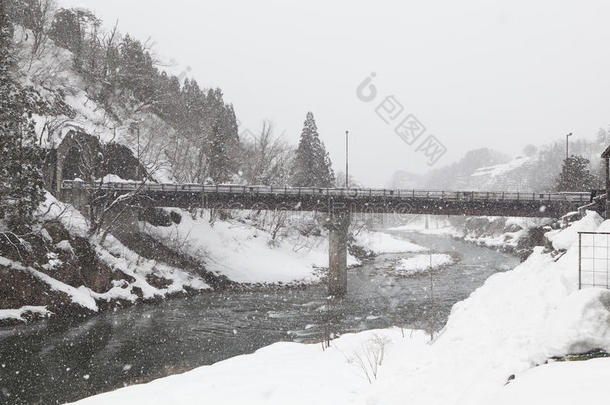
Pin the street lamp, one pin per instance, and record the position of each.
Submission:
(567, 145)
(346, 159)
(135, 127)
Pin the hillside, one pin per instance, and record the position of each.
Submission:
(535, 170)
(102, 100)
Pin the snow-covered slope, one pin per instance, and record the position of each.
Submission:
(515, 322)
(128, 276)
(508, 176)
(53, 71)
(246, 253)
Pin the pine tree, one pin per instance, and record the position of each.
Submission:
(575, 175)
(224, 138)
(21, 186)
(312, 165)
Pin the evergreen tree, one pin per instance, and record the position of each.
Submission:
(312, 166)
(20, 166)
(224, 138)
(575, 175)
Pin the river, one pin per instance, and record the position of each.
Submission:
(59, 361)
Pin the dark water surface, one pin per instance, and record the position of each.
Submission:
(56, 362)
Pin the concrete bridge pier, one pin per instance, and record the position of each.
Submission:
(338, 226)
(76, 196)
(122, 219)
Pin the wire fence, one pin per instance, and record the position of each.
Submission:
(593, 259)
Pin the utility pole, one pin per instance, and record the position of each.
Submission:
(568, 145)
(135, 127)
(432, 316)
(346, 159)
(138, 141)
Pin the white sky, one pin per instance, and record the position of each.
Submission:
(477, 73)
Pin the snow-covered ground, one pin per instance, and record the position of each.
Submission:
(244, 253)
(421, 264)
(561, 383)
(379, 242)
(433, 225)
(515, 322)
(562, 239)
(248, 254)
(492, 232)
(110, 251)
(19, 314)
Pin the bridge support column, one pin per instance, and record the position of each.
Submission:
(337, 260)
(75, 196)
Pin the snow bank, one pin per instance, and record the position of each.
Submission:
(562, 239)
(246, 254)
(493, 232)
(283, 373)
(19, 314)
(115, 255)
(80, 297)
(563, 383)
(516, 321)
(113, 178)
(118, 256)
(421, 264)
(431, 226)
(380, 242)
(71, 219)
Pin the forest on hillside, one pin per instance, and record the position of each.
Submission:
(75, 75)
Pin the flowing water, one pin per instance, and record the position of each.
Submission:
(57, 362)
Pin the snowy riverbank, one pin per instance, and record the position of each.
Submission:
(510, 234)
(421, 264)
(501, 334)
(67, 273)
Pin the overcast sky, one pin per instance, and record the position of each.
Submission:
(476, 73)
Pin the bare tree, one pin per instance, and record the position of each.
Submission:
(267, 158)
(105, 208)
(39, 15)
(149, 136)
(188, 159)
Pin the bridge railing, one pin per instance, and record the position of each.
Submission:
(331, 192)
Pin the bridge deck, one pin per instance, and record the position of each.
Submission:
(547, 204)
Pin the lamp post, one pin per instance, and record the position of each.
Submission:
(135, 127)
(346, 159)
(568, 145)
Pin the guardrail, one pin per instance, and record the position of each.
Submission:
(582, 197)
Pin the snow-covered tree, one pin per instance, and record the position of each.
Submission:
(575, 175)
(224, 138)
(266, 158)
(312, 165)
(21, 185)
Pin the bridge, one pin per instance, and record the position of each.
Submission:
(336, 200)
(339, 203)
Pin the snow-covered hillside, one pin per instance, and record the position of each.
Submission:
(243, 252)
(506, 176)
(536, 170)
(52, 72)
(492, 350)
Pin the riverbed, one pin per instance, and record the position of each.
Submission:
(59, 361)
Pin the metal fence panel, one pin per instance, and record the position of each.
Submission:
(593, 259)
